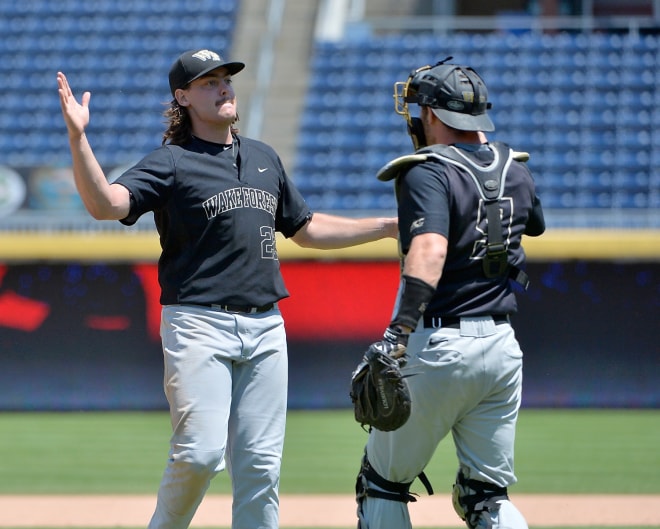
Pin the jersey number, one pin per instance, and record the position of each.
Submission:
(268, 249)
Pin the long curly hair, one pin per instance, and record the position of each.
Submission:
(179, 124)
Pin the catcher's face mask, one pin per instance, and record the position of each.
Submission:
(407, 92)
(413, 90)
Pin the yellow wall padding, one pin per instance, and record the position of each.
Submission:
(143, 246)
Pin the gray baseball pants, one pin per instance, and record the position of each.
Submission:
(226, 378)
(466, 382)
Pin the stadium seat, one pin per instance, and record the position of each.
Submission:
(573, 100)
(585, 104)
(98, 49)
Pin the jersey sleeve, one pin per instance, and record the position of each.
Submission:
(423, 204)
(292, 210)
(535, 224)
(149, 183)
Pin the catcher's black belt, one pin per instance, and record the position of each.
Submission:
(454, 322)
(240, 309)
(244, 309)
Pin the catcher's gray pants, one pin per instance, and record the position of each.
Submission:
(226, 383)
(465, 381)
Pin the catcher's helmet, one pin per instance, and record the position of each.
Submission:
(456, 95)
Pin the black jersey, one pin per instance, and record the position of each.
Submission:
(440, 197)
(216, 209)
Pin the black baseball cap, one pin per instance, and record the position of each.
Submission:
(193, 64)
(456, 95)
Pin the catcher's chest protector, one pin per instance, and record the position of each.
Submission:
(490, 181)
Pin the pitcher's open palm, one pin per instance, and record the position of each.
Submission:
(76, 115)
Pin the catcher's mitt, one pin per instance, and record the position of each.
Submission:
(379, 391)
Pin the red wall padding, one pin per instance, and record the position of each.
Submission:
(339, 299)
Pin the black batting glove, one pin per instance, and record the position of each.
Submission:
(394, 343)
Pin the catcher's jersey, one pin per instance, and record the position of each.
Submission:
(217, 209)
(440, 197)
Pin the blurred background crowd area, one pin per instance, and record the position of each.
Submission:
(573, 82)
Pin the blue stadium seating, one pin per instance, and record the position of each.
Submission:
(583, 104)
(98, 45)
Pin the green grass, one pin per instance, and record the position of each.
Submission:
(588, 451)
(82, 452)
(558, 451)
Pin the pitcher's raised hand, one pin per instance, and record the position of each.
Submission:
(76, 115)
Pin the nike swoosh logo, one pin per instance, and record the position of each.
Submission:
(262, 170)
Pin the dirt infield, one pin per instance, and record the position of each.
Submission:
(326, 511)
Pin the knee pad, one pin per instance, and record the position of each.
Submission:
(385, 489)
(371, 484)
(477, 502)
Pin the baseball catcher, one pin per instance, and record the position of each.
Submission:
(464, 204)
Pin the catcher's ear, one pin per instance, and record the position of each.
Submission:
(427, 115)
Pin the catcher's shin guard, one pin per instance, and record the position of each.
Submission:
(484, 505)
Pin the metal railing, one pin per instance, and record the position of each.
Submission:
(444, 24)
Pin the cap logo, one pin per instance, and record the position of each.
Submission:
(206, 55)
(452, 104)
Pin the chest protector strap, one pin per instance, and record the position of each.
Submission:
(490, 182)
